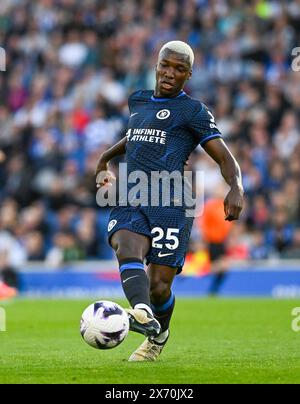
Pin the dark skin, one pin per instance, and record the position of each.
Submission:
(172, 72)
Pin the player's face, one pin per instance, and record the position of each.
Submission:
(172, 71)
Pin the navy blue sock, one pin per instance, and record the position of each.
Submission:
(163, 313)
(135, 281)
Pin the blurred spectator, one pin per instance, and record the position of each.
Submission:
(258, 248)
(288, 135)
(73, 52)
(279, 235)
(14, 253)
(237, 243)
(34, 245)
(294, 251)
(8, 276)
(66, 249)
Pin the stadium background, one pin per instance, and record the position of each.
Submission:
(70, 66)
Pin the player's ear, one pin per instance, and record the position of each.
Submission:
(190, 74)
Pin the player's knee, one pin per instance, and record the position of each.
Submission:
(159, 292)
(129, 246)
(125, 251)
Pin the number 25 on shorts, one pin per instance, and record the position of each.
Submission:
(170, 236)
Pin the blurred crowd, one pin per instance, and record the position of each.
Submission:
(70, 66)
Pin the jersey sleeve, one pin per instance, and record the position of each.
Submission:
(132, 100)
(202, 125)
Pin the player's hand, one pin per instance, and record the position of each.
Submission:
(104, 177)
(233, 204)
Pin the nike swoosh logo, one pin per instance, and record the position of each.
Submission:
(133, 114)
(160, 255)
(131, 277)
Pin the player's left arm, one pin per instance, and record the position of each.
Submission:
(231, 172)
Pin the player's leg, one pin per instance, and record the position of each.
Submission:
(170, 230)
(162, 303)
(131, 249)
(161, 296)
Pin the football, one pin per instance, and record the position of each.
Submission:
(104, 325)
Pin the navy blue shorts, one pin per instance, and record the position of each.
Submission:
(167, 227)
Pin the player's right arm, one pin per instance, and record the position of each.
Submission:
(103, 175)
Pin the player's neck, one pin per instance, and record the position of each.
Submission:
(157, 94)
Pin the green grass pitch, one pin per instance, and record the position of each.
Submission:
(212, 341)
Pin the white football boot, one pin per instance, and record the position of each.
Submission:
(149, 351)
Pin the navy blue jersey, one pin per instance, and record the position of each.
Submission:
(161, 135)
(162, 132)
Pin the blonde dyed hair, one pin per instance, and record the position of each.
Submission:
(179, 47)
